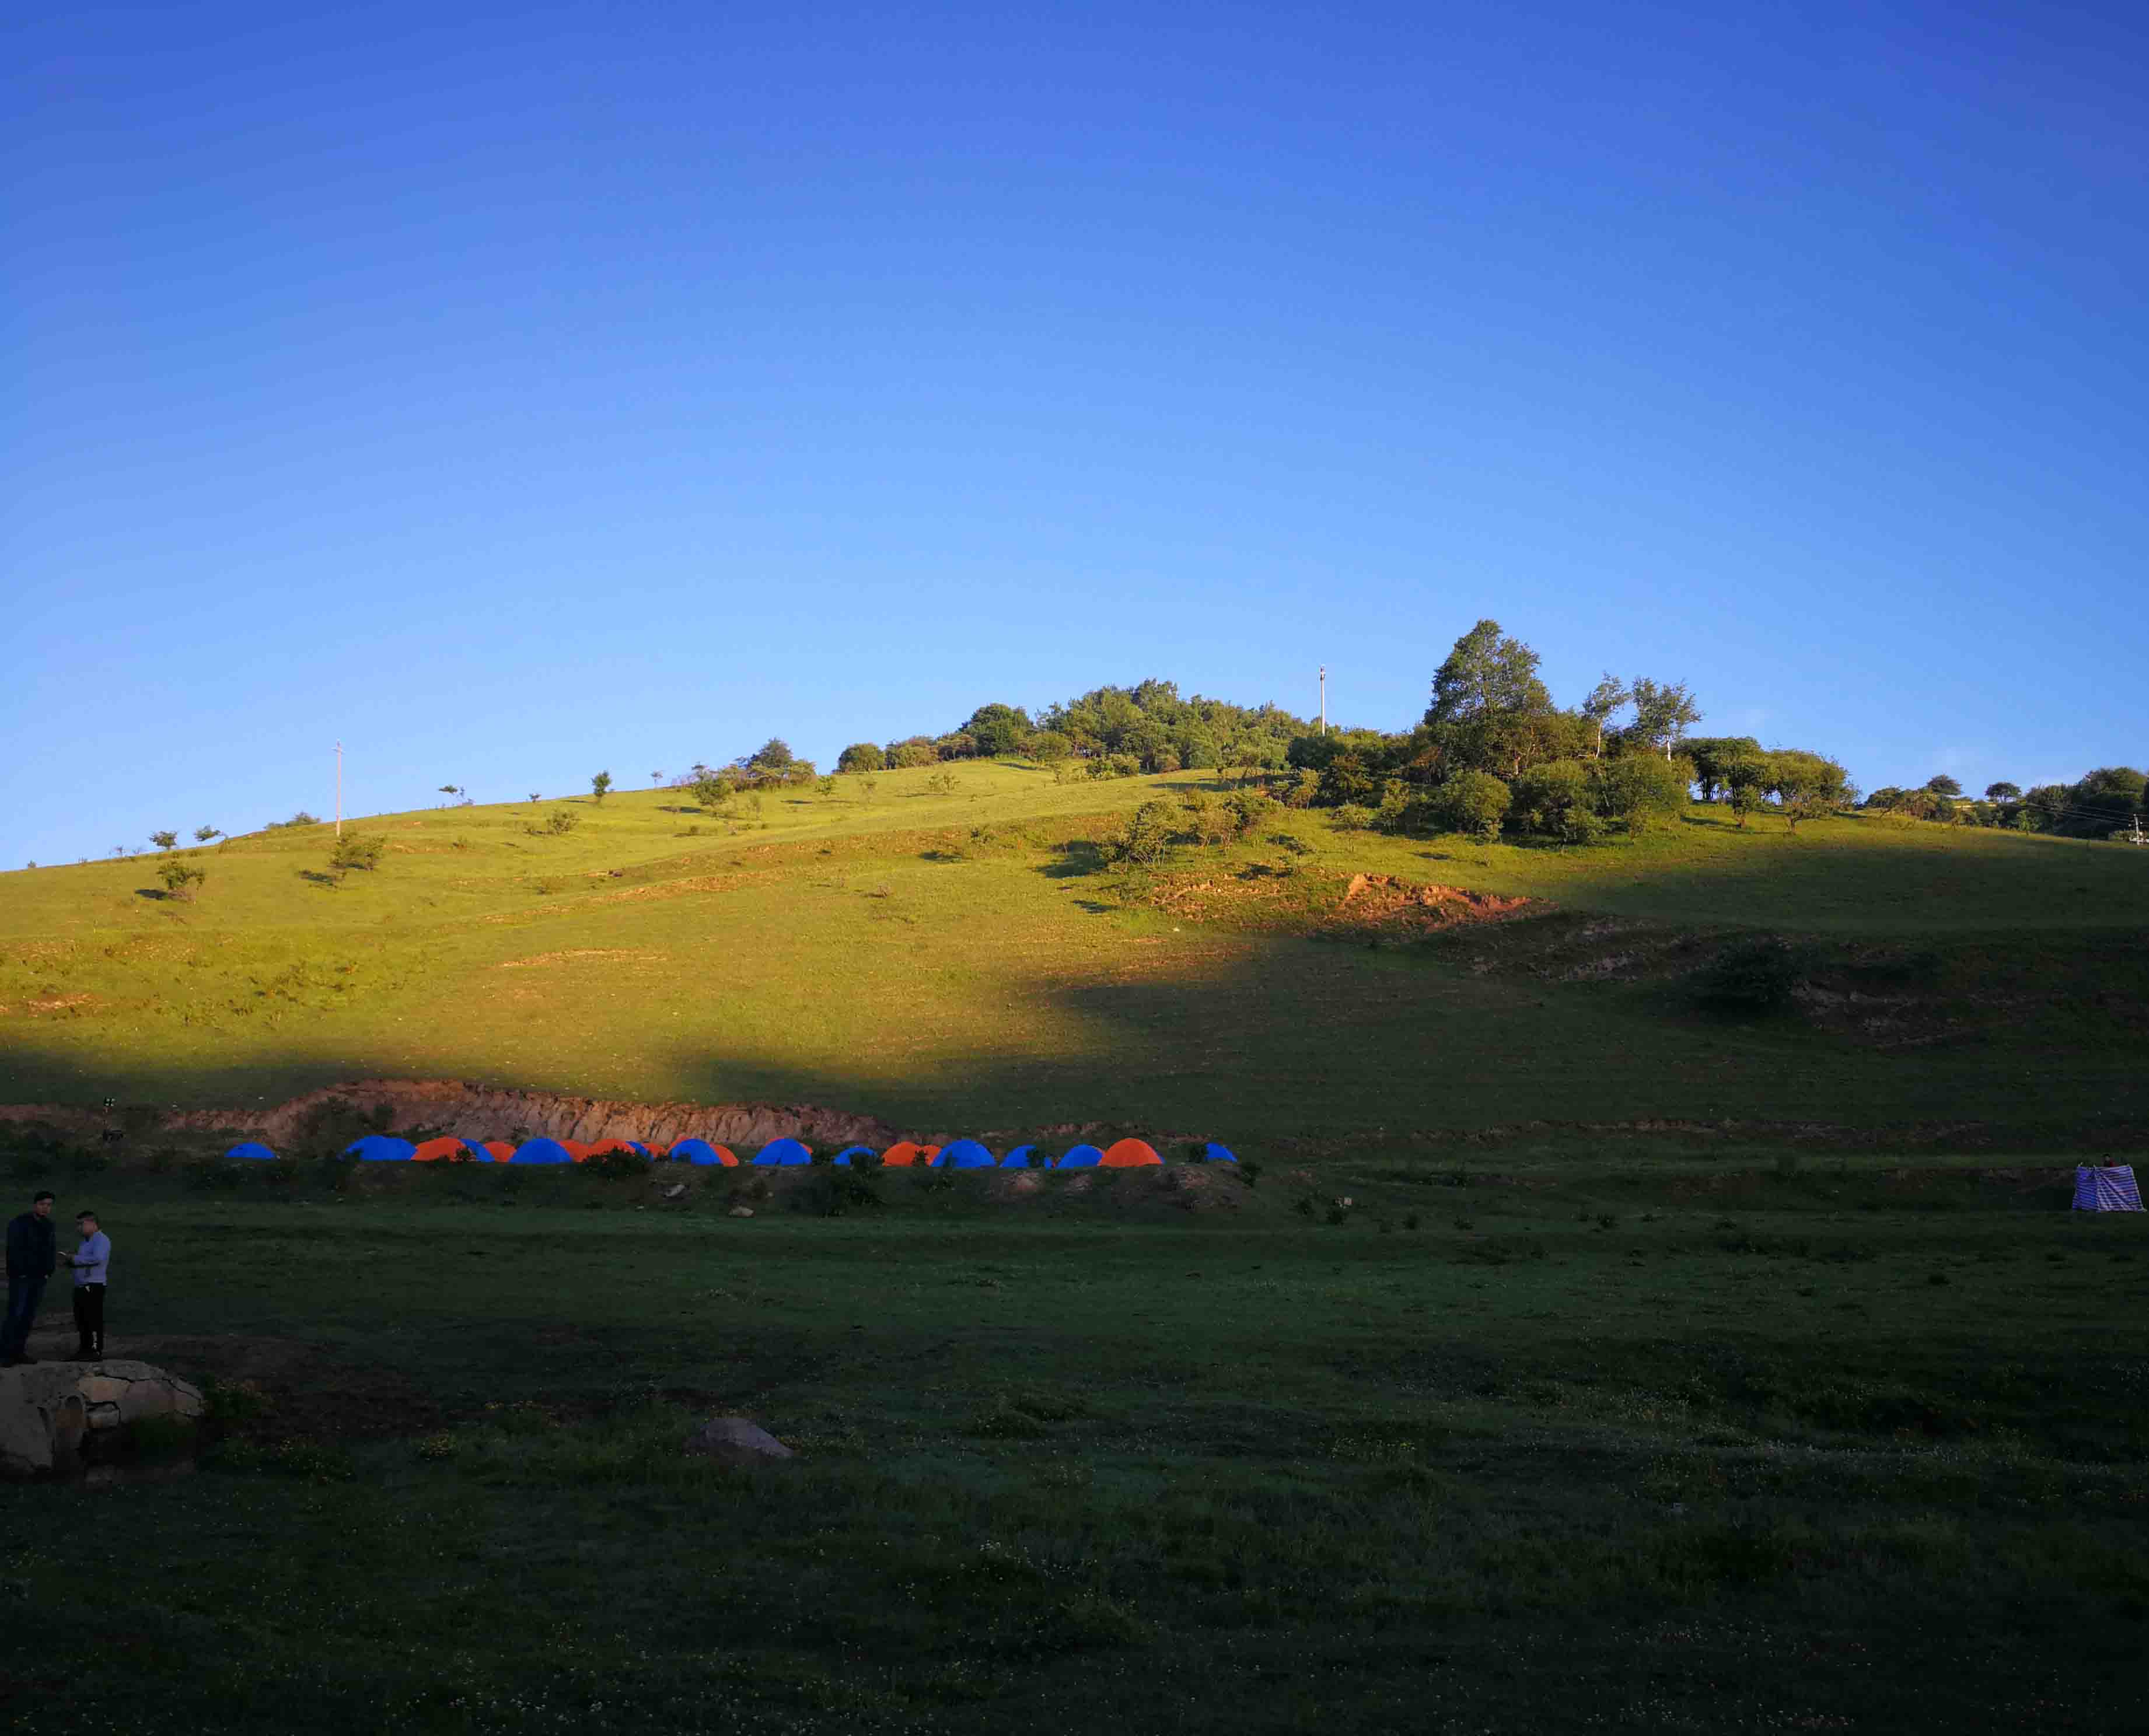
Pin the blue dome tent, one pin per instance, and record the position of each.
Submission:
(963, 1154)
(1214, 1153)
(784, 1152)
(850, 1153)
(379, 1148)
(1018, 1158)
(252, 1148)
(542, 1150)
(637, 1147)
(700, 1150)
(1081, 1157)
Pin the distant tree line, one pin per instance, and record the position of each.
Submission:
(1493, 753)
(2107, 803)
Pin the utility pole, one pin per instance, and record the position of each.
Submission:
(1323, 698)
(338, 832)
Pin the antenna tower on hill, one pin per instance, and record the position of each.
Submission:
(1323, 698)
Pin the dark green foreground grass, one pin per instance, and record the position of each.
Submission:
(1806, 1448)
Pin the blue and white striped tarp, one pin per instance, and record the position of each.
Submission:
(2101, 1189)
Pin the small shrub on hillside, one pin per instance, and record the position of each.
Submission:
(619, 1166)
(1352, 817)
(182, 880)
(1475, 802)
(355, 851)
(1146, 838)
(1248, 808)
(1641, 791)
(1753, 979)
(840, 1188)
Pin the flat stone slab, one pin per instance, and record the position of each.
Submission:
(734, 1441)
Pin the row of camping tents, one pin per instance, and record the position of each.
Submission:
(959, 1154)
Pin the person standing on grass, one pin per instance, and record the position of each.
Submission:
(90, 1262)
(31, 1248)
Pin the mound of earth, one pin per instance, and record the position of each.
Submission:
(477, 1112)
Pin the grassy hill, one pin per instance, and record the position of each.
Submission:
(965, 959)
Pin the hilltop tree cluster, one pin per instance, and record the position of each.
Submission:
(1493, 752)
(2107, 803)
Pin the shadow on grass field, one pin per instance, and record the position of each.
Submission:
(1781, 1446)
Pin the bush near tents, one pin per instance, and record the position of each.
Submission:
(850, 1154)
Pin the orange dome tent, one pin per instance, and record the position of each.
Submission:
(906, 1153)
(449, 1151)
(606, 1147)
(500, 1150)
(1130, 1154)
(575, 1149)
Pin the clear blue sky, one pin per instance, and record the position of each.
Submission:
(516, 393)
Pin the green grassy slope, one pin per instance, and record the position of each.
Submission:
(962, 960)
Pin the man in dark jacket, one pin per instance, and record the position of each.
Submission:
(31, 1247)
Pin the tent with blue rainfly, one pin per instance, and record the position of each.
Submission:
(637, 1147)
(1214, 1153)
(379, 1148)
(963, 1154)
(1018, 1158)
(2106, 1187)
(700, 1150)
(1081, 1157)
(542, 1150)
(784, 1152)
(850, 1154)
(252, 1149)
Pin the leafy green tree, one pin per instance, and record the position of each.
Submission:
(1641, 791)
(1711, 754)
(905, 756)
(2105, 800)
(1048, 747)
(164, 840)
(2003, 792)
(861, 756)
(1474, 802)
(1603, 703)
(600, 785)
(1348, 780)
(182, 879)
(1747, 777)
(1663, 712)
(774, 755)
(1485, 672)
(203, 834)
(1808, 786)
(1943, 784)
(711, 792)
(998, 730)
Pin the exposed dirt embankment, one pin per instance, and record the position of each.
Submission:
(470, 1112)
(1276, 897)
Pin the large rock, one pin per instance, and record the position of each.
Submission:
(734, 1441)
(51, 1413)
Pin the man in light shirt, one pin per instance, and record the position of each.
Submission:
(90, 1262)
